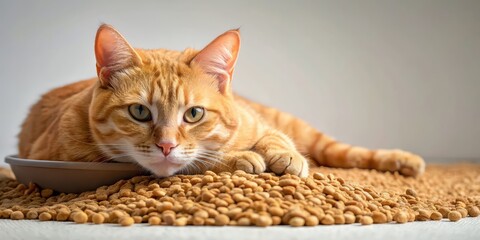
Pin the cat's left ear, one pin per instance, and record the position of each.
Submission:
(218, 58)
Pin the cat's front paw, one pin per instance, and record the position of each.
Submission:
(281, 162)
(406, 163)
(250, 162)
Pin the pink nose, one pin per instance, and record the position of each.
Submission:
(166, 147)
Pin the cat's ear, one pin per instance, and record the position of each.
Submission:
(113, 53)
(218, 58)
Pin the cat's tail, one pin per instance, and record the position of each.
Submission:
(326, 151)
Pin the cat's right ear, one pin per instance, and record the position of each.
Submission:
(113, 53)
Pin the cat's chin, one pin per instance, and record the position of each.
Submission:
(163, 168)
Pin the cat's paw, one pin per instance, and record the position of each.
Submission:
(281, 162)
(404, 162)
(250, 162)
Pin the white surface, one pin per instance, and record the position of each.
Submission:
(401, 74)
(468, 228)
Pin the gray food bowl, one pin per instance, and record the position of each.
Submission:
(71, 177)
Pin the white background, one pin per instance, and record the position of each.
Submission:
(381, 74)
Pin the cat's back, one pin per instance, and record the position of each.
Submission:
(43, 113)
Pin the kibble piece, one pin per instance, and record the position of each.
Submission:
(243, 221)
(366, 220)
(98, 218)
(444, 211)
(80, 217)
(411, 192)
(62, 215)
(46, 193)
(379, 217)
(181, 221)
(198, 221)
(473, 211)
(328, 220)
(17, 215)
(311, 221)
(169, 217)
(126, 221)
(339, 219)
(154, 220)
(137, 219)
(349, 218)
(263, 221)
(221, 220)
(436, 216)
(401, 217)
(276, 211)
(454, 216)
(463, 211)
(296, 222)
(32, 214)
(45, 216)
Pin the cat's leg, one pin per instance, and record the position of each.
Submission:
(328, 152)
(248, 161)
(280, 154)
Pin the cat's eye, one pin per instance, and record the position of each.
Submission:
(193, 114)
(140, 112)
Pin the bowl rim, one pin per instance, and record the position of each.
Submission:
(14, 160)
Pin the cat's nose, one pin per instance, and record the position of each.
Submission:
(166, 147)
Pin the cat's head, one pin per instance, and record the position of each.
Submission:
(169, 111)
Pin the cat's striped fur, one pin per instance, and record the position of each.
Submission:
(90, 120)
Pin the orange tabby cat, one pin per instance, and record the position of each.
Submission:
(174, 112)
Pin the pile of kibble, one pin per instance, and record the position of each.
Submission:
(329, 196)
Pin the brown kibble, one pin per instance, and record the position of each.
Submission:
(17, 215)
(263, 221)
(181, 221)
(62, 215)
(45, 216)
(319, 176)
(288, 182)
(276, 211)
(436, 216)
(463, 211)
(349, 218)
(169, 217)
(328, 220)
(242, 199)
(329, 190)
(444, 211)
(98, 218)
(366, 220)
(80, 217)
(473, 211)
(126, 221)
(288, 190)
(401, 217)
(154, 220)
(454, 216)
(379, 217)
(243, 221)
(207, 196)
(411, 192)
(296, 222)
(32, 214)
(198, 221)
(201, 214)
(46, 193)
(221, 220)
(137, 219)
(311, 221)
